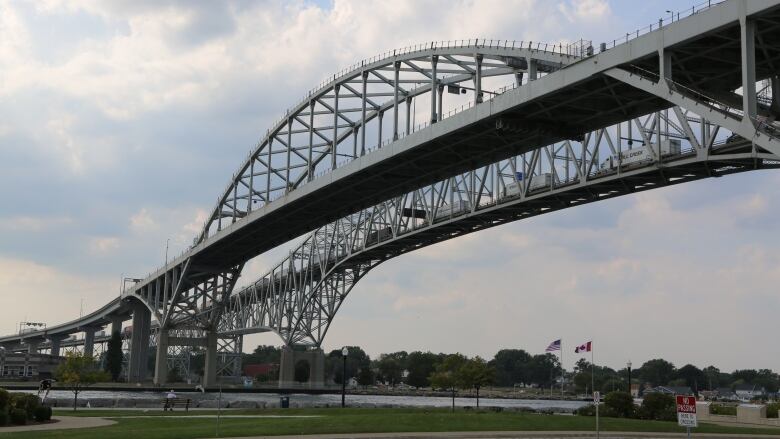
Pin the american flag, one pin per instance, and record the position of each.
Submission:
(554, 346)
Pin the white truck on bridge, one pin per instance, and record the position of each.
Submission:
(537, 182)
(638, 155)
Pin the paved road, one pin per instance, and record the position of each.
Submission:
(63, 422)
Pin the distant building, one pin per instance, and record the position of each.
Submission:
(747, 392)
(254, 370)
(26, 366)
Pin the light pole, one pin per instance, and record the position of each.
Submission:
(344, 353)
(629, 378)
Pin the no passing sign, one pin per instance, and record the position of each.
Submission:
(686, 411)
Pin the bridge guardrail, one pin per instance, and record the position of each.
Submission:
(695, 9)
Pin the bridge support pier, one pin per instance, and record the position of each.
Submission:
(56, 341)
(32, 345)
(116, 324)
(161, 360)
(290, 357)
(210, 368)
(139, 343)
(89, 341)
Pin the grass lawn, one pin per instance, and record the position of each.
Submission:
(158, 426)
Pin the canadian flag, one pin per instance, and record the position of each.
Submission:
(585, 347)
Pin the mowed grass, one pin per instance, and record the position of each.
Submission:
(158, 426)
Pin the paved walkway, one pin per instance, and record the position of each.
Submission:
(512, 434)
(64, 422)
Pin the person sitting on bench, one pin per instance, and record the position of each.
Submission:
(169, 398)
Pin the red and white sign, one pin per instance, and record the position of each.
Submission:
(686, 411)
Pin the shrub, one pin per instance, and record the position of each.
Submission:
(18, 416)
(4, 397)
(26, 402)
(42, 414)
(4, 419)
(619, 403)
(771, 410)
(588, 410)
(658, 406)
(720, 409)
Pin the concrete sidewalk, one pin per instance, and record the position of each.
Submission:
(512, 434)
(63, 423)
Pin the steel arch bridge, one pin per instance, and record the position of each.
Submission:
(509, 130)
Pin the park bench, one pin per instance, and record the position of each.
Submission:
(170, 403)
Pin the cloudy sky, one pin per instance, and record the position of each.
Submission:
(120, 123)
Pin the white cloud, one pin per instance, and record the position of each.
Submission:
(33, 224)
(104, 244)
(47, 294)
(142, 222)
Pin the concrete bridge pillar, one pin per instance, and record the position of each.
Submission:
(290, 357)
(210, 367)
(161, 361)
(32, 345)
(89, 341)
(139, 343)
(56, 341)
(116, 324)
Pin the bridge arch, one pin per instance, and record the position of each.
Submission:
(328, 128)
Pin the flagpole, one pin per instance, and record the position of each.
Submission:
(592, 368)
(563, 370)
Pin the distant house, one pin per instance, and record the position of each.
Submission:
(725, 393)
(255, 370)
(747, 392)
(670, 390)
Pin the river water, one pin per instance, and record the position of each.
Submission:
(306, 400)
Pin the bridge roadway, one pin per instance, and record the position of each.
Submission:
(696, 62)
(299, 297)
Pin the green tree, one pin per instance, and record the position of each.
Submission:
(692, 377)
(767, 379)
(420, 366)
(620, 403)
(263, 354)
(79, 371)
(474, 374)
(365, 376)
(712, 377)
(390, 369)
(511, 366)
(658, 406)
(356, 360)
(657, 372)
(544, 369)
(114, 356)
(446, 374)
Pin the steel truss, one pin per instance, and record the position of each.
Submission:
(329, 127)
(300, 296)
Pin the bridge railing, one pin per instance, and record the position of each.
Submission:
(664, 21)
(577, 49)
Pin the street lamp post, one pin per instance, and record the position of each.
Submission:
(344, 353)
(629, 378)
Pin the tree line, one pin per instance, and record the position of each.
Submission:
(510, 367)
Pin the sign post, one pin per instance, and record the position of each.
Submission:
(686, 412)
(596, 401)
